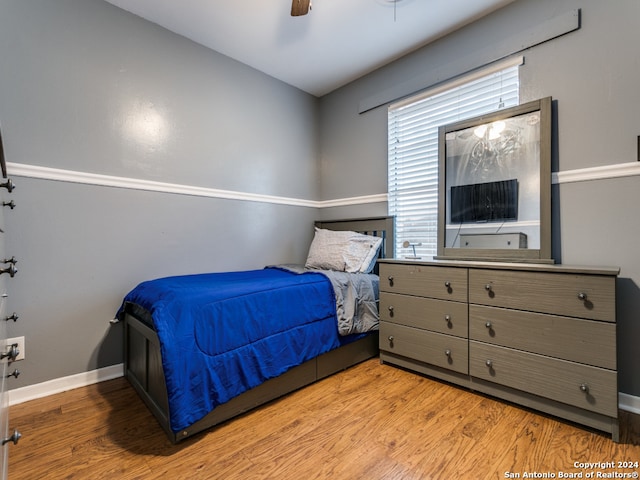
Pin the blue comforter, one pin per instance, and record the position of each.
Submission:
(220, 332)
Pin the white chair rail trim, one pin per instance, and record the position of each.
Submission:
(597, 173)
(71, 176)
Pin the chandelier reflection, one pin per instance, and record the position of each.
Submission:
(494, 144)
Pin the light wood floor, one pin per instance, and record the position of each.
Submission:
(370, 422)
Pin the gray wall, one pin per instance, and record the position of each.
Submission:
(90, 88)
(77, 74)
(592, 74)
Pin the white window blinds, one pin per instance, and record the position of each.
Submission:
(413, 148)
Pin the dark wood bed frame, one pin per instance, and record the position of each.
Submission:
(143, 364)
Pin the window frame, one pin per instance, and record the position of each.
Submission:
(427, 228)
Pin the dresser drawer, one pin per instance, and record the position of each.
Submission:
(427, 313)
(584, 341)
(446, 283)
(583, 386)
(444, 351)
(574, 295)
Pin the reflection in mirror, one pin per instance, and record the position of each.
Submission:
(495, 185)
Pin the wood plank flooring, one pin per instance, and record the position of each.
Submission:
(370, 422)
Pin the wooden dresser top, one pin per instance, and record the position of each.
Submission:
(527, 267)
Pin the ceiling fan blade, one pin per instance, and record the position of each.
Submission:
(300, 7)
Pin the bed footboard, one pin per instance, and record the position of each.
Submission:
(143, 368)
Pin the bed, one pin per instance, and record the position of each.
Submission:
(177, 364)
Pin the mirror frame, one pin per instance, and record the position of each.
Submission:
(541, 255)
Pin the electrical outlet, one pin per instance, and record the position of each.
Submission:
(20, 347)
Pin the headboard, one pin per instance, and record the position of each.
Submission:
(377, 226)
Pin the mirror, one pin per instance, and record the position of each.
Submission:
(494, 187)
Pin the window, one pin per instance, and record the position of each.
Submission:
(413, 147)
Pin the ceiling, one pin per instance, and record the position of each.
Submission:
(337, 42)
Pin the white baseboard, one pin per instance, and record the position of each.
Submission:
(44, 389)
(629, 403)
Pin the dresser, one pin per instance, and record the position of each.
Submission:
(542, 336)
(8, 353)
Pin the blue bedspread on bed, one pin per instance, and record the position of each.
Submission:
(218, 332)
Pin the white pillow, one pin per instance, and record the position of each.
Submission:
(343, 251)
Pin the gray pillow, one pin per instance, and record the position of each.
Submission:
(343, 251)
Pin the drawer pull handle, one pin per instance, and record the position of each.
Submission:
(13, 316)
(8, 185)
(447, 284)
(489, 363)
(15, 373)
(11, 354)
(582, 296)
(13, 438)
(11, 270)
(488, 325)
(391, 308)
(584, 387)
(10, 204)
(487, 287)
(447, 352)
(390, 278)
(447, 318)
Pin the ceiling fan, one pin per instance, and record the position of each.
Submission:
(300, 7)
